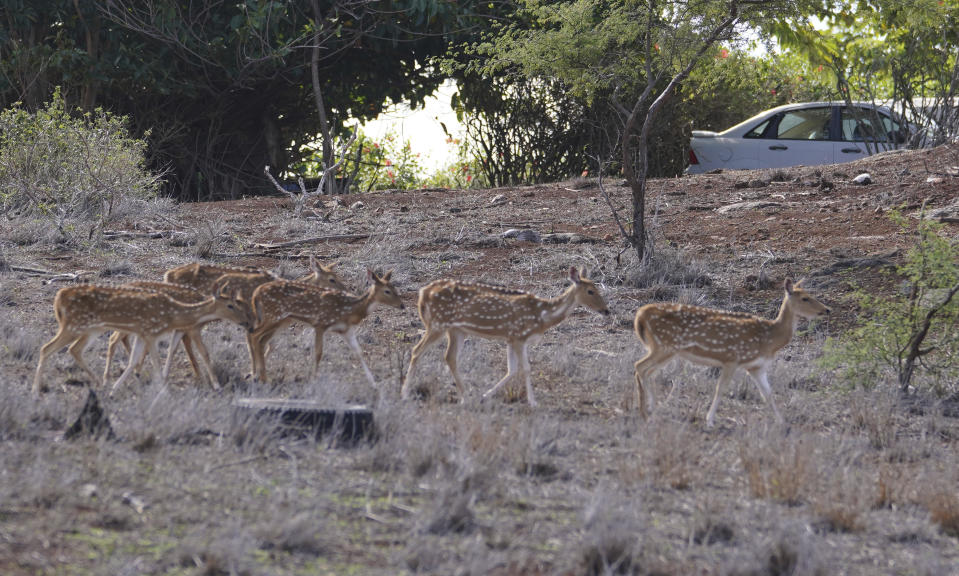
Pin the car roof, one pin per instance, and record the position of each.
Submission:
(798, 106)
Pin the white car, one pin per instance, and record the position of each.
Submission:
(809, 133)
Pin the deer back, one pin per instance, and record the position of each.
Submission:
(203, 276)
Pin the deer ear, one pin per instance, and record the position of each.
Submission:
(788, 285)
(386, 277)
(574, 274)
(313, 263)
(370, 275)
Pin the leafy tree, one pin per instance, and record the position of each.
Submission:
(914, 333)
(58, 165)
(903, 53)
(632, 54)
(226, 87)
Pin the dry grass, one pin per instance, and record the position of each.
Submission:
(577, 485)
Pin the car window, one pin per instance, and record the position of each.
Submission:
(860, 124)
(757, 132)
(808, 124)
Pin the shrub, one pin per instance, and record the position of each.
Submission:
(913, 333)
(53, 163)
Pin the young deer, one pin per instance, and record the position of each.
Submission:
(84, 311)
(191, 337)
(277, 303)
(728, 340)
(458, 309)
(211, 278)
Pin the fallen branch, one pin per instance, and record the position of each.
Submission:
(36, 271)
(313, 240)
(109, 234)
(67, 277)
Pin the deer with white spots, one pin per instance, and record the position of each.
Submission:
(278, 303)
(727, 340)
(85, 311)
(211, 278)
(191, 337)
(460, 309)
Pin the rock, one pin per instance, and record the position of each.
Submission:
(498, 198)
(934, 179)
(358, 205)
(524, 234)
(757, 183)
(89, 491)
(748, 205)
(863, 179)
(566, 238)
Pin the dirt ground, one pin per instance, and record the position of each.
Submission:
(856, 482)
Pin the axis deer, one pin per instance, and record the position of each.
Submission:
(211, 278)
(458, 309)
(276, 303)
(84, 311)
(728, 340)
(191, 337)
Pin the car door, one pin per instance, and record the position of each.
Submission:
(865, 131)
(801, 136)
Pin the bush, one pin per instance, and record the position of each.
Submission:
(914, 333)
(53, 163)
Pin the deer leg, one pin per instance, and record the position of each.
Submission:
(159, 376)
(318, 350)
(62, 338)
(193, 338)
(524, 368)
(761, 380)
(511, 368)
(139, 347)
(454, 342)
(174, 342)
(350, 336)
(116, 338)
(429, 337)
(255, 341)
(725, 375)
(644, 369)
(76, 350)
(188, 346)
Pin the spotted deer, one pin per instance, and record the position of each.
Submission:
(458, 309)
(210, 278)
(277, 303)
(727, 340)
(191, 338)
(85, 311)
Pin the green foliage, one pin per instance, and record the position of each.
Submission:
(54, 163)
(225, 87)
(525, 131)
(465, 171)
(916, 334)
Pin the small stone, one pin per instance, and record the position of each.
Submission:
(863, 179)
(358, 205)
(497, 198)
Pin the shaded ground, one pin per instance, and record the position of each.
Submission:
(859, 483)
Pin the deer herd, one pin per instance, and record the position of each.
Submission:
(190, 296)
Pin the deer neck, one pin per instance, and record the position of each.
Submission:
(189, 314)
(782, 328)
(357, 308)
(555, 310)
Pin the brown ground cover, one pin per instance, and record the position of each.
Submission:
(857, 482)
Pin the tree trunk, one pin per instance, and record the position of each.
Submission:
(328, 159)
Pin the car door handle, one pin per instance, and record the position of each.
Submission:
(778, 147)
(851, 151)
